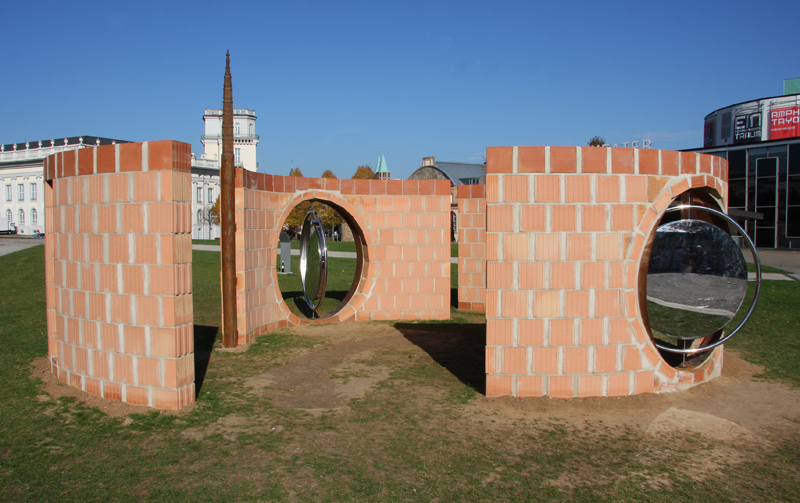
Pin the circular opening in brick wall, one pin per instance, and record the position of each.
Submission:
(346, 247)
(692, 280)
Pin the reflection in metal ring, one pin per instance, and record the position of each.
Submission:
(313, 260)
(697, 280)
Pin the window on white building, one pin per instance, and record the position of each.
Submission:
(237, 129)
(9, 216)
(21, 219)
(199, 194)
(8, 192)
(250, 129)
(20, 192)
(33, 192)
(199, 216)
(238, 160)
(34, 217)
(210, 195)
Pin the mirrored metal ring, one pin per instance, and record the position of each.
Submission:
(752, 306)
(313, 260)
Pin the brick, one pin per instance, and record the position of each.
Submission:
(499, 332)
(669, 163)
(531, 332)
(631, 358)
(563, 160)
(547, 189)
(533, 218)
(498, 385)
(622, 217)
(528, 386)
(530, 160)
(515, 360)
(514, 304)
(591, 385)
(545, 304)
(644, 382)
(593, 275)
(576, 304)
(562, 332)
(531, 276)
(547, 247)
(579, 247)
(516, 247)
(591, 331)
(605, 359)
(578, 189)
(608, 189)
(492, 356)
(563, 218)
(500, 218)
(562, 275)
(499, 159)
(515, 189)
(545, 360)
(609, 247)
(593, 218)
(622, 160)
(576, 360)
(618, 385)
(500, 275)
(607, 303)
(594, 160)
(560, 386)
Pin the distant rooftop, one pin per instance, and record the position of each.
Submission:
(791, 86)
(60, 142)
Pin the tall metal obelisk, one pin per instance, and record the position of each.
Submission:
(230, 336)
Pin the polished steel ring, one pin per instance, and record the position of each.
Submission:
(313, 260)
(752, 307)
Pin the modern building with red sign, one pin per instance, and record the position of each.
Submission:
(761, 141)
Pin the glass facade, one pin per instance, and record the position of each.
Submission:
(765, 180)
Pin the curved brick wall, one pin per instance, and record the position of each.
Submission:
(118, 259)
(566, 229)
(405, 226)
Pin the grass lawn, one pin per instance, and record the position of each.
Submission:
(419, 434)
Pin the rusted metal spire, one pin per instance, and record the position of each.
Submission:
(230, 336)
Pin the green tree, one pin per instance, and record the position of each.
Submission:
(596, 141)
(364, 173)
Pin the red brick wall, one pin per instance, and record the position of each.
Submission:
(405, 226)
(118, 255)
(472, 247)
(566, 230)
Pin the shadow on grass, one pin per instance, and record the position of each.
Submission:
(204, 337)
(458, 347)
(297, 303)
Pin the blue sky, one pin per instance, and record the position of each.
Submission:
(336, 84)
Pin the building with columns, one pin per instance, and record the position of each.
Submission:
(21, 172)
(205, 169)
(21, 179)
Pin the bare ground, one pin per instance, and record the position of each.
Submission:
(734, 419)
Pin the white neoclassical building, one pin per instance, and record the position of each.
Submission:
(22, 179)
(205, 169)
(22, 174)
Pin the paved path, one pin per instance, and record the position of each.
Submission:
(11, 245)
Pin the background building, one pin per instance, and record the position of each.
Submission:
(22, 178)
(761, 141)
(205, 169)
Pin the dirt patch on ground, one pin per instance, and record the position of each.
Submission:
(733, 410)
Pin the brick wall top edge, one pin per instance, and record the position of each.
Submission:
(119, 158)
(564, 160)
(346, 186)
